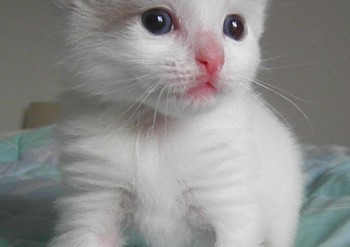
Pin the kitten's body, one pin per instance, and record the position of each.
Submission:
(183, 171)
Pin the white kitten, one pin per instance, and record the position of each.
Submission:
(163, 133)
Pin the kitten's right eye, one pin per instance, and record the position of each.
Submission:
(157, 21)
(235, 27)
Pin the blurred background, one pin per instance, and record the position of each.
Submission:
(306, 51)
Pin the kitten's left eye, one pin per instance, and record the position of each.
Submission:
(157, 21)
(235, 27)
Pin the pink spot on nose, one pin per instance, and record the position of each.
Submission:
(209, 53)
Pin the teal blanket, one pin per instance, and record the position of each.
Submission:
(30, 182)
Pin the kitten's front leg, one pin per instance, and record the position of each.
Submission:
(238, 228)
(233, 210)
(90, 219)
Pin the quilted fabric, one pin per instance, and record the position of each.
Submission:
(325, 219)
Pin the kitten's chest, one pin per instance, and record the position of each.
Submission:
(159, 207)
(155, 184)
(167, 164)
(173, 170)
(164, 202)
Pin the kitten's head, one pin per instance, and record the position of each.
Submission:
(175, 56)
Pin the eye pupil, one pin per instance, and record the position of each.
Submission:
(157, 21)
(234, 27)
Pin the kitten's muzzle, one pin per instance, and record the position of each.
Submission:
(209, 53)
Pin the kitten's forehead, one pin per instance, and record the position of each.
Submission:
(191, 5)
(194, 6)
(191, 13)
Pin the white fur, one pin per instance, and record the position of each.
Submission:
(221, 172)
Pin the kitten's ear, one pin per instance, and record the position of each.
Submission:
(66, 4)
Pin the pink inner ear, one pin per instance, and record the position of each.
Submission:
(209, 53)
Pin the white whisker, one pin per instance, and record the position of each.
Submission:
(138, 103)
(136, 81)
(166, 111)
(257, 82)
(268, 105)
(291, 51)
(284, 91)
(156, 107)
(286, 66)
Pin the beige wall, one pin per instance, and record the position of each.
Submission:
(308, 41)
(27, 68)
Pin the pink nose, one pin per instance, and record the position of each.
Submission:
(209, 53)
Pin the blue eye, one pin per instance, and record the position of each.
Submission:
(157, 21)
(235, 27)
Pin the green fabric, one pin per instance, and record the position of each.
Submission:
(325, 220)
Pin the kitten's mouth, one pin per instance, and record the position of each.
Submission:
(202, 91)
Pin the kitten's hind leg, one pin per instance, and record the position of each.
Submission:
(90, 219)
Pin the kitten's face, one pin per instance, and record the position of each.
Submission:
(175, 56)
